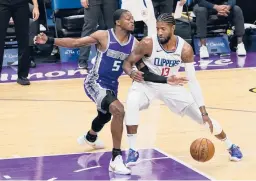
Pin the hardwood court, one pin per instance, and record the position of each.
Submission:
(47, 117)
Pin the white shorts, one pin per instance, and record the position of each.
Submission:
(176, 98)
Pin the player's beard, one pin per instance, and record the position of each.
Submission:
(163, 40)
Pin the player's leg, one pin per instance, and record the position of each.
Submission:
(107, 105)
(91, 137)
(183, 103)
(98, 95)
(136, 101)
(193, 112)
(116, 108)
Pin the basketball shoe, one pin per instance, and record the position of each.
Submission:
(133, 157)
(97, 144)
(235, 153)
(117, 166)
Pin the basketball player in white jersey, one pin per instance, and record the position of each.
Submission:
(163, 54)
(101, 84)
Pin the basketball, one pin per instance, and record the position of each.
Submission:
(202, 150)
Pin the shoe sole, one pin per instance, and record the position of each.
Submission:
(130, 164)
(117, 172)
(235, 159)
(83, 142)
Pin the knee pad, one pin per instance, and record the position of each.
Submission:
(99, 122)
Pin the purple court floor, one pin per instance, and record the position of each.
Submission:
(154, 165)
(70, 70)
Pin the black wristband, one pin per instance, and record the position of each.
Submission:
(50, 41)
(154, 78)
(151, 77)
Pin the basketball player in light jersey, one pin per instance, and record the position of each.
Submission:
(163, 54)
(101, 84)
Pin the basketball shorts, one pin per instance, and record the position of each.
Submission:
(176, 98)
(101, 95)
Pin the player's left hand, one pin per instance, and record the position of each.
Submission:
(174, 80)
(137, 75)
(206, 119)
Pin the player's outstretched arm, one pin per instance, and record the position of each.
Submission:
(187, 57)
(70, 42)
(195, 89)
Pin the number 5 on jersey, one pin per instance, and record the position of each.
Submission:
(116, 65)
(165, 71)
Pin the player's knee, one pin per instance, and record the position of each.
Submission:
(132, 113)
(99, 122)
(104, 118)
(133, 102)
(118, 111)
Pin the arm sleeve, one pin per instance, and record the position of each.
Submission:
(151, 77)
(193, 84)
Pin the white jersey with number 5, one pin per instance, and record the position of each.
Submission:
(162, 62)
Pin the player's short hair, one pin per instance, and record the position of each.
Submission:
(118, 13)
(167, 18)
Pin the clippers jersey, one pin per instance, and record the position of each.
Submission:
(108, 64)
(162, 62)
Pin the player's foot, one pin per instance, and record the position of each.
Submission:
(97, 144)
(241, 50)
(117, 166)
(133, 157)
(235, 153)
(204, 52)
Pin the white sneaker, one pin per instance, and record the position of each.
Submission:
(241, 50)
(118, 166)
(97, 144)
(204, 52)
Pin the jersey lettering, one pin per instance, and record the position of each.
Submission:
(165, 62)
(116, 66)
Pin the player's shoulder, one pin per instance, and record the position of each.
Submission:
(148, 41)
(100, 33)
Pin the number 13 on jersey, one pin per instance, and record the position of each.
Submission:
(165, 71)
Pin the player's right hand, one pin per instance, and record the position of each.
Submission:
(40, 39)
(206, 119)
(174, 80)
(137, 75)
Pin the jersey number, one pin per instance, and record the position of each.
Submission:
(116, 65)
(165, 71)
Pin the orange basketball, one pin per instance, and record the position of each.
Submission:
(202, 150)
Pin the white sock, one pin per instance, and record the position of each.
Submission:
(132, 141)
(227, 142)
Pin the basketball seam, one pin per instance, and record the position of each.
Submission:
(199, 149)
(207, 150)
